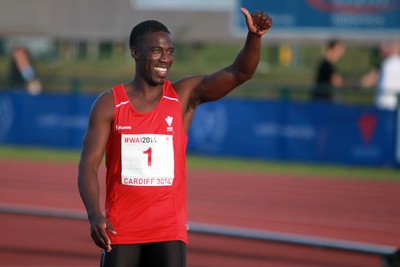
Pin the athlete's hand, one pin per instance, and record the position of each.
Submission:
(98, 229)
(257, 22)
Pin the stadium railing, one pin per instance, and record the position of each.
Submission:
(389, 255)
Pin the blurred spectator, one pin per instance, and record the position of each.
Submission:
(369, 79)
(22, 72)
(388, 78)
(327, 78)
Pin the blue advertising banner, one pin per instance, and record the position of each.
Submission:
(313, 17)
(283, 130)
(265, 129)
(43, 120)
(398, 136)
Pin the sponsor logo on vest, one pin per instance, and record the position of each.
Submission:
(123, 127)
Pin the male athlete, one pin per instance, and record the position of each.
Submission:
(142, 127)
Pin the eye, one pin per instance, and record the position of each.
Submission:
(171, 51)
(156, 50)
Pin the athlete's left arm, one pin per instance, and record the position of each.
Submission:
(197, 89)
(206, 88)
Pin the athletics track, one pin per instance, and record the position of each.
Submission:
(348, 209)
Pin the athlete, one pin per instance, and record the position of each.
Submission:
(142, 127)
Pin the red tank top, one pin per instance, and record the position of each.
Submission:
(146, 177)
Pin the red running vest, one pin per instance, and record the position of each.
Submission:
(146, 171)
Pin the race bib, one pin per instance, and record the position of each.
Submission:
(147, 159)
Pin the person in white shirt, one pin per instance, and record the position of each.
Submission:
(388, 84)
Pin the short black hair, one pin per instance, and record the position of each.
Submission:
(332, 43)
(143, 28)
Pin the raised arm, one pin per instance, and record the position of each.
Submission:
(211, 87)
(195, 90)
(94, 144)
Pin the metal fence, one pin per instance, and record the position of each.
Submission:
(389, 255)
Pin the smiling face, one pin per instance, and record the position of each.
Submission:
(154, 57)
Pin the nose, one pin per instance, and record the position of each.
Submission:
(165, 57)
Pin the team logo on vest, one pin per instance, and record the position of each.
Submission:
(169, 120)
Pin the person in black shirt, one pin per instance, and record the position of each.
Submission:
(327, 78)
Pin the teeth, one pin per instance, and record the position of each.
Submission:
(161, 69)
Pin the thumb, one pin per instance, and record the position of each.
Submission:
(249, 20)
(247, 16)
(110, 228)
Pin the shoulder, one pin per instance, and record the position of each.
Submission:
(184, 87)
(188, 82)
(104, 104)
(325, 62)
(395, 60)
(327, 66)
(105, 98)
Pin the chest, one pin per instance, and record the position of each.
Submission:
(164, 118)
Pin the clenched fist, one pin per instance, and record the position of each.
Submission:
(257, 22)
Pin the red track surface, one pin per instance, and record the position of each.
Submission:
(366, 211)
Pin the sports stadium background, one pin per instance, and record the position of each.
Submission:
(351, 133)
(279, 127)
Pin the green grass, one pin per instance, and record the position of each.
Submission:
(38, 154)
(294, 168)
(224, 164)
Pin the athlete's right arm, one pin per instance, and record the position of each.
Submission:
(94, 145)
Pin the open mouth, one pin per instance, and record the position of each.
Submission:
(161, 71)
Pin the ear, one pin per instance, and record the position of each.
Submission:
(134, 52)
